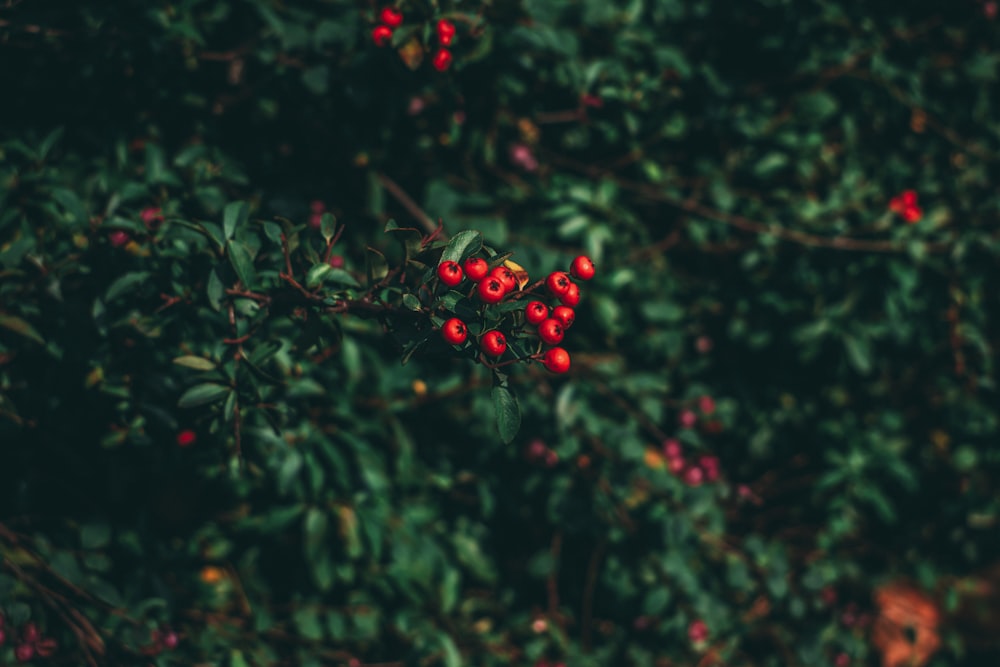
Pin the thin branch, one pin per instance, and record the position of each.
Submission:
(406, 202)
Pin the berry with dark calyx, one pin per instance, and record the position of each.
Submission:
(551, 331)
(46, 647)
(582, 268)
(476, 269)
(536, 312)
(490, 290)
(506, 276)
(186, 438)
(445, 32)
(441, 60)
(565, 315)
(24, 652)
(454, 331)
(572, 296)
(381, 35)
(556, 360)
(558, 283)
(391, 16)
(450, 273)
(30, 633)
(494, 343)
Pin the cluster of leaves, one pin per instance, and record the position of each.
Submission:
(732, 169)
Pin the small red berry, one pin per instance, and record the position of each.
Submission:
(186, 438)
(536, 450)
(558, 283)
(842, 660)
(151, 214)
(710, 466)
(556, 360)
(582, 268)
(706, 404)
(551, 331)
(170, 640)
(118, 238)
(676, 466)
(703, 344)
(687, 419)
(445, 32)
(694, 476)
(30, 633)
(391, 17)
(3, 637)
(698, 631)
(490, 290)
(454, 331)
(441, 60)
(317, 206)
(450, 273)
(536, 312)
(476, 268)
(913, 214)
(336, 261)
(24, 652)
(494, 343)
(672, 448)
(316, 220)
(506, 276)
(46, 647)
(572, 296)
(381, 35)
(551, 457)
(565, 315)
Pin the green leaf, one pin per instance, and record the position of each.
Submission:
(19, 326)
(411, 302)
(375, 266)
(316, 274)
(328, 226)
(95, 535)
(234, 216)
(507, 412)
(215, 290)
(239, 256)
(316, 548)
(197, 363)
(125, 283)
(859, 353)
(201, 394)
(462, 246)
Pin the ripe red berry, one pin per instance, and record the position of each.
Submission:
(381, 35)
(706, 404)
(46, 647)
(536, 312)
(558, 283)
(186, 438)
(450, 273)
(454, 331)
(676, 466)
(698, 631)
(490, 290)
(170, 640)
(572, 296)
(913, 214)
(506, 277)
(476, 268)
(672, 448)
(687, 418)
(118, 238)
(694, 476)
(551, 331)
(494, 343)
(30, 633)
(556, 360)
(710, 466)
(582, 268)
(24, 652)
(391, 16)
(445, 32)
(565, 315)
(441, 60)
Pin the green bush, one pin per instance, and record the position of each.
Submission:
(231, 434)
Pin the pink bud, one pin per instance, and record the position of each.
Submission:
(522, 157)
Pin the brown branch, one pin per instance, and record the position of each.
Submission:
(406, 202)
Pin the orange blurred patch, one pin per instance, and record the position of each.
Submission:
(212, 575)
(906, 630)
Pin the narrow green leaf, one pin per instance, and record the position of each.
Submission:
(125, 283)
(19, 326)
(197, 363)
(234, 216)
(316, 274)
(508, 413)
(239, 256)
(201, 394)
(215, 290)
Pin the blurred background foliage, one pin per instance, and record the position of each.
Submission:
(729, 165)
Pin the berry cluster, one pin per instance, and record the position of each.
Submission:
(539, 453)
(500, 283)
(693, 472)
(391, 18)
(163, 639)
(905, 205)
(32, 642)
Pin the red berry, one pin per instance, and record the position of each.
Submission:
(493, 343)
(698, 631)
(441, 60)
(46, 647)
(687, 419)
(908, 198)
(536, 312)
(710, 466)
(842, 660)
(672, 448)
(381, 35)
(572, 296)
(582, 268)
(186, 438)
(694, 476)
(391, 17)
(913, 214)
(118, 238)
(676, 466)
(551, 458)
(445, 32)
(490, 290)
(450, 273)
(454, 331)
(150, 215)
(706, 404)
(476, 268)
(551, 331)
(703, 344)
(3, 637)
(336, 261)
(317, 206)
(30, 633)
(24, 652)
(170, 640)
(556, 360)
(506, 277)
(558, 283)
(565, 315)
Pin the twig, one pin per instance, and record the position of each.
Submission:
(404, 199)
